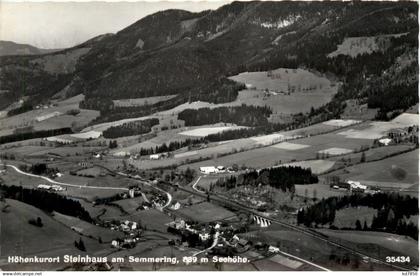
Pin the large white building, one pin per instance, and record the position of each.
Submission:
(356, 185)
(209, 170)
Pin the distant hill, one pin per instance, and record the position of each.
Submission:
(9, 48)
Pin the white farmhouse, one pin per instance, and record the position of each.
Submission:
(356, 185)
(385, 141)
(209, 170)
(154, 156)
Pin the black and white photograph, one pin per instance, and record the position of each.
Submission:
(209, 136)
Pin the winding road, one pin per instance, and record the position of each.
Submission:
(65, 184)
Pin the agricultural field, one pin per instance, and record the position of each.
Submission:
(288, 91)
(319, 191)
(378, 242)
(347, 217)
(142, 101)
(79, 190)
(213, 150)
(205, 212)
(356, 110)
(376, 129)
(204, 131)
(317, 166)
(52, 239)
(275, 154)
(285, 91)
(303, 246)
(372, 154)
(53, 117)
(151, 219)
(398, 172)
(130, 205)
(87, 229)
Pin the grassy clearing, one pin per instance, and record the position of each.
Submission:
(151, 219)
(319, 191)
(290, 146)
(130, 205)
(270, 156)
(335, 151)
(376, 130)
(204, 131)
(317, 166)
(21, 238)
(347, 217)
(303, 246)
(402, 169)
(87, 229)
(205, 212)
(11, 177)
(285, 91)
(402, 245)
(8, 124)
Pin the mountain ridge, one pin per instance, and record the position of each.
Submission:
(185, 53)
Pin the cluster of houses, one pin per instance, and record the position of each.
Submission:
(203, 231)
(125, 243)
(55, 188)
(398, 135)
(125, 226)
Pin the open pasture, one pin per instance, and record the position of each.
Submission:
(400, 169)
(87, 229)
(285, 91)
(290, 146)
(11, 177)
(130, 204)
(303, 246)
(318, 190)
(341, 122)
(205, 212)
(204, 131)
(19, 237)
(405, 246)
(372, 154)
(272, 155)
(162, 137)
(151, 219)
(347, 217)
(376, 130)
(335, 151)
(317, 166)
(49, 118)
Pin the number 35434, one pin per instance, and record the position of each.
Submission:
(397, 259)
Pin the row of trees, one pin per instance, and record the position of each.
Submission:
(39, 169)
(46, 201)
(283, 178)
(131, 128)
(393, 211)
(241, 115)
(171, 146)
(34, 134)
